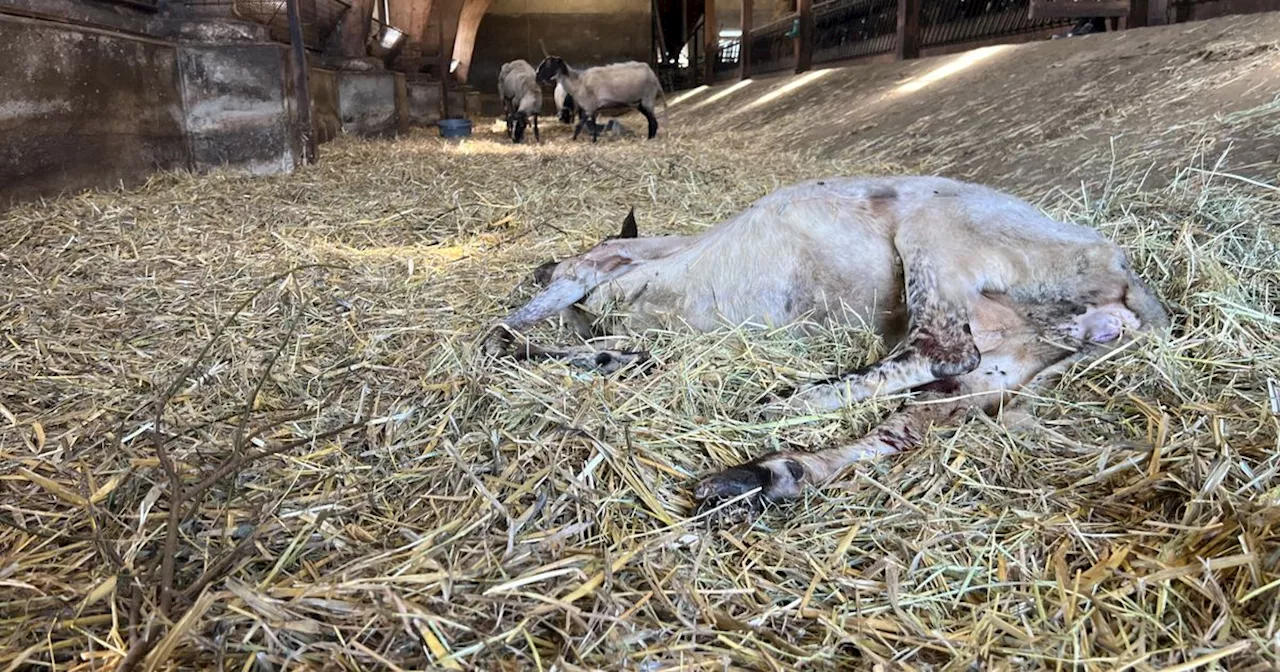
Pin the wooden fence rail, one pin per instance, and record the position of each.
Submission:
(835, 30)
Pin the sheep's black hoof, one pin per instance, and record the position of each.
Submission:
(776, 396)
(609, 361)
(733, 482)
(774, 477)
(717, 513)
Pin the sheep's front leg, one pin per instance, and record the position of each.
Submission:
(603, 360)
(595, 129)
(582, 121)
(939, 345)
(558, 296)
(536, 136)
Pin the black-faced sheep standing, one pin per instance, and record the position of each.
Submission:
(630, 84)
(565, 107)
(521, 97)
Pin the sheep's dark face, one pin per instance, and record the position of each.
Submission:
(549, 68)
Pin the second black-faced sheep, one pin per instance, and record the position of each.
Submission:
(521, 97)
(565, 107)
(630, 84)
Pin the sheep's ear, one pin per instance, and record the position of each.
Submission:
(629, 228)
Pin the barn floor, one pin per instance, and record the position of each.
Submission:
(355, 487)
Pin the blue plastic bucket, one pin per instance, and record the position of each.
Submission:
(454, 128)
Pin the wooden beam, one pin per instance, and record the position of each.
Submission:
(804, 45)
(684, 29)
(1138, 14)
(1157, 12)
(744, 52)
(710, 39)
(354, 29)
(412, 17)
(908, 29)
(1077, 9)
(443, 65)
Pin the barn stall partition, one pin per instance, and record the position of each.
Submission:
(852, 29)
(856, 29)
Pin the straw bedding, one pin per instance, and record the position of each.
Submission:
(274, 384)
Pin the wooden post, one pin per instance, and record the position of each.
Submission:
(1139, 14)
(444, 72)
(659, 37)
(1157, 12)
(804, 44)
(908, 29)
(694, 47)
(710, 39)
(301, 86)
(684, 29)
(744, 50)
(1147, 13)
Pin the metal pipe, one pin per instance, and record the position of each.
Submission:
(301, 85)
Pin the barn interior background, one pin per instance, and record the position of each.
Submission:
(105, 91)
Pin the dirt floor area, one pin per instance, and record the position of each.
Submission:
(244, 423)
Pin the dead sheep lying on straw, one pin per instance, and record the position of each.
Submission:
(630, 84)
(521, 98)
(978, 293)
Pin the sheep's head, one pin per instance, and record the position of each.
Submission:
(550, 67)
(543, 274)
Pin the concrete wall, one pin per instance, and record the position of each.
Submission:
(372, 103)
(584, 32)
(82, 108)
(92, 98)
(237, 107)
(424, 102)
(96, 104)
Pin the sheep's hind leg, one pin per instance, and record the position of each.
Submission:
(536, 136)
(783, 475)
(1020, 363)
(939, 345)
(522, 122)
(653, 121)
